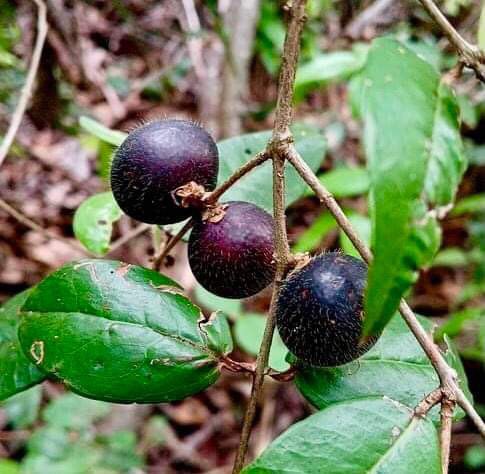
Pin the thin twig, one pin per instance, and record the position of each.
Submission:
(277, 148)
(124, 239)
(42, 28)
(210, 199)
(27, 222)
(257, 160)
(447, 407)
(428, 402)
(470, 54)
(158, 260)
(446, 374)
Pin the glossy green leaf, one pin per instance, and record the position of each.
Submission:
(22, 409)
(114, 137)
(121, 333)
(256, 187)
(395, 367)
(313, 236)
(248, 333)
(17, 373)
(371, 435)
(93, 222)
(415, 159)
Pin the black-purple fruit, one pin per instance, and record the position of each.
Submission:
(155, 160)
(319, 311)
(233, 257)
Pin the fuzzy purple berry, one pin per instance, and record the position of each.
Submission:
(319, 312)
(233, 256)
(155, 160)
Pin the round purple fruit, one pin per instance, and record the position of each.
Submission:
(155, 160)
(231, 255)
(319, 312)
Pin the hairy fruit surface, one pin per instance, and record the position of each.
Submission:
(232, 254)
(319, 311)
(155, 160)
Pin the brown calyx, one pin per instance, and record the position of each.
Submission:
(191, 194)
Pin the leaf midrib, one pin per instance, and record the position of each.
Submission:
(177, 338)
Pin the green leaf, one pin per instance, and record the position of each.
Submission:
(456, 322)
(23, 408)
(327, 67)
(114, 137)
(415, 160)
(313, 236)
(69, 444)
(93, 222)
(395, 367)
(346, 182)
(373, 435)
(470, 205)
(121, 333)
(17, 372)
(451, 257)
(73, 412)
(256, 187)
(475, 455)
(212, 302)
(248, 332)
(9, 467)
(51, 449)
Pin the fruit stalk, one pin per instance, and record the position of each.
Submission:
(212, 197)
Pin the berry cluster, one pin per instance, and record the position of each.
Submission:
(231, 248)
(156, 175)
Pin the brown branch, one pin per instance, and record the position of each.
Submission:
(42, 28)
(447, 407)
(470, 54)
(448, 402)
(257, 160)
(446, 374)
(428, 402)
(278, 149)
(158, 260)
(124, 239)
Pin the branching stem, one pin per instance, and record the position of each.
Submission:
(278, 150)
(470, 54)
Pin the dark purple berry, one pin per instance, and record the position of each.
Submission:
(155, 160)
(233, 257)
(319, 312)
